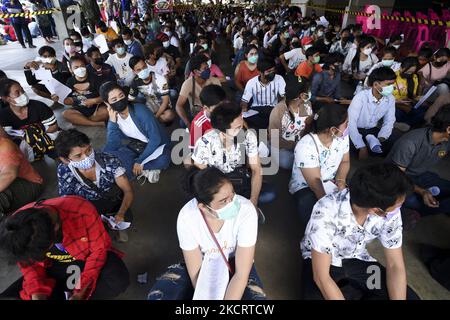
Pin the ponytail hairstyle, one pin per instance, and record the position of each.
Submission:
(364, 42)
(329, 116)
(294, 87)
(408, 63)
(204, 184)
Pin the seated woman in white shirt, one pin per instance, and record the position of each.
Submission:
(367, 108)
(358, 63)
(337, 265)
(235, 152)
(321, 159)
(289, 120)
(217, 231)
(387, 60)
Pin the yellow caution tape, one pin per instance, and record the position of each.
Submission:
(385, 17)
(27, 14)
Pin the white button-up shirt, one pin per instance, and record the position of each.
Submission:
(365, 111)
(333, 230)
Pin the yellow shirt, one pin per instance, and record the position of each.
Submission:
(110, 35)
(401, 87)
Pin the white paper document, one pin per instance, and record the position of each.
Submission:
(213, 279)
(249, 113)
(158, 151)
(374, 143)
(57, 88)
(111, 220)
(329, 187)
(425, 97)
(100, 42)
(42, 74)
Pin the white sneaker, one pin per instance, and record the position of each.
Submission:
(403, 127)
(151, 176)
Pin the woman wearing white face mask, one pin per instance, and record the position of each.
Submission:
(358, 63)
(87, 107)
(217, 231)
(69, 51)
(34, 116)
(321, 159)
(290, 118)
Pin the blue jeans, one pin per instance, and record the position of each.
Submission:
(427, 180)
(285, 158)
(128, 159)
(306, 199)
(175, 284)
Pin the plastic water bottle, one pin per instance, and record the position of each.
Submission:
(434, 190)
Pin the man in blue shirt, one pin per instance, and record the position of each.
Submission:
(19, 23)
(133, 46)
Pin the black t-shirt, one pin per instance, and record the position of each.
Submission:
(173, 52)
(38, 112)
(91, 90)
(105, 74)
(323, 48)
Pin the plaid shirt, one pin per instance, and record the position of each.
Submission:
(84, 238)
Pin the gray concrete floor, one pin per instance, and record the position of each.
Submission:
(153, 241)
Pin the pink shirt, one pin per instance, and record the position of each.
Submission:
(436, 73)
(215, 71)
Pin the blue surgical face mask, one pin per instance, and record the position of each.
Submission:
(144, 73)
(120, 51)
(230, 211)
(205, 74)
(84, 164)
(387, 63)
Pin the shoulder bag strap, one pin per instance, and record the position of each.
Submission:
(318, 152)
(217, 244)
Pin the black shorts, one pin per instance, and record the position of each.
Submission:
(85, 111)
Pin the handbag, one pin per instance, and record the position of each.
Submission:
(241, 179)
(137, 146)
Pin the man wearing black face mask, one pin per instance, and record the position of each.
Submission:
(102, 71)
(266, 90)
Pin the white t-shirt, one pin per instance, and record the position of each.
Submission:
(241, 231)
(174, 41)
(306, 156)
(129, 128)
(238, 42)
(122, 67)
(160, 67)
(295, 57)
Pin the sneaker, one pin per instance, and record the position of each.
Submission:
(32, 46)
(123, 236)
(401, 126)
(261, 216)
(152, 176)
